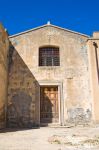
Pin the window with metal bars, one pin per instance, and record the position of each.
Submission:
(49, 56)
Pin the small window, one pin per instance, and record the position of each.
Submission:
(49, 56)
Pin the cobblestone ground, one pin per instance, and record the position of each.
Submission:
(42, 139)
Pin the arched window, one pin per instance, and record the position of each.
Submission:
(49, 56)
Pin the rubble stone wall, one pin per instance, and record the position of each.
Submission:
(4, 48)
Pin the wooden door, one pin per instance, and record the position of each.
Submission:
(49, 112)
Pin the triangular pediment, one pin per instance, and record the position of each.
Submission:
(48, 25)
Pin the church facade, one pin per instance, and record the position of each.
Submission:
(49, 76)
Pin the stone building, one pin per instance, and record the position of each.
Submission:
(48, 75)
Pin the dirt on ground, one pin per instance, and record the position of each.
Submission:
(51, 138)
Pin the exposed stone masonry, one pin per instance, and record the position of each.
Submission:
(21, 94)
(4, 48)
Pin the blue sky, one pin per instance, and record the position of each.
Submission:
(78, 15)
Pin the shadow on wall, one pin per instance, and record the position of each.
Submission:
(49, 105)
(25, 110)
(23, 97)
(46, 114)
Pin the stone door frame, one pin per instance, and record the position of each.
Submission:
(60, 98)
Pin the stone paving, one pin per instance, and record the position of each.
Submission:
(39, 139)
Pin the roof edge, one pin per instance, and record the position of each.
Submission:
(18, 34)
(93, 38)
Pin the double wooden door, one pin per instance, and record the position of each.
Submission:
(49, 109)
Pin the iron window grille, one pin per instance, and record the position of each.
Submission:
(49, 56)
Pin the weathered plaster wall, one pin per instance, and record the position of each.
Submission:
(4, 47)
(72, 72)
(93, 53)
